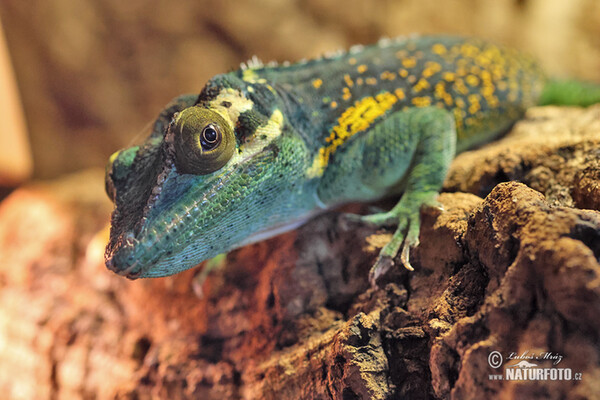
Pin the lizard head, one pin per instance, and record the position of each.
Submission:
(222, 173)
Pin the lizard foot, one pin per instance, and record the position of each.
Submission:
(406, 216)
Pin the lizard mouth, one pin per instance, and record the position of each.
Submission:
(176, 230)
(122, 259)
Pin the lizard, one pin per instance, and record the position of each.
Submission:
(262, 149)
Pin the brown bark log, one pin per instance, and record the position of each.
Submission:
(294, 317)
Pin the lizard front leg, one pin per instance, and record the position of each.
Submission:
(407, 152)
(433, 136)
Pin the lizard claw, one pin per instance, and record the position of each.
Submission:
(404, 257)
(382, 265)
(385, 263)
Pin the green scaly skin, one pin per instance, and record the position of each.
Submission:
(295, 140)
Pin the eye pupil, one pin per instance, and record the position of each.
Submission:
(209, 138)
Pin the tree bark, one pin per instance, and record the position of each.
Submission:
(504, 267)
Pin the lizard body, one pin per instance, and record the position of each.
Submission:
(263, 148)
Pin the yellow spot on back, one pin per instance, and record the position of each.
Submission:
(346, 95)
(421, 101)
(362, 68)
(439, 49)
(317, 83)
(371, 81)
(460, 87)
(403, 73)
(333, 104)
(400, 54)
(359, 81)
(352, 61)
(387, 75)
(399, 94)
(249, 75)
(474, 103)
(348, 80)
(431, 68)
(448, 76)
(421, 85)
(355, 119)
(472, 80)
(468, 50)
(409, 62)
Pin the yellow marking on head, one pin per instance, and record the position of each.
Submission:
(114, 156)
(334, 104)
(355, 119)
(421, 101)
(421, 85)
(403, 73)
(317, 83)
(409, 62)
(362, 68)
(371, 81)
(352, 61)
(348, 80)
(238, 104)
(400, 94)
(263, 136)
(439, 49)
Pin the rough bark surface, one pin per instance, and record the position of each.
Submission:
(504, 266)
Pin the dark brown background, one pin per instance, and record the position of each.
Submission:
(93, 74)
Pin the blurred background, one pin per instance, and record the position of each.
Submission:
(81, 79)
(92, 75)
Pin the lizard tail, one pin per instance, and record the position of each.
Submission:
(570, 92)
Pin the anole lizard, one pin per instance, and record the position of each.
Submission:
(262, 149)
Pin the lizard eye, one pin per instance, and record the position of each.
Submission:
(203, 141)
(210, 138)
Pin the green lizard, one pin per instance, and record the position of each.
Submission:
(262, 149)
